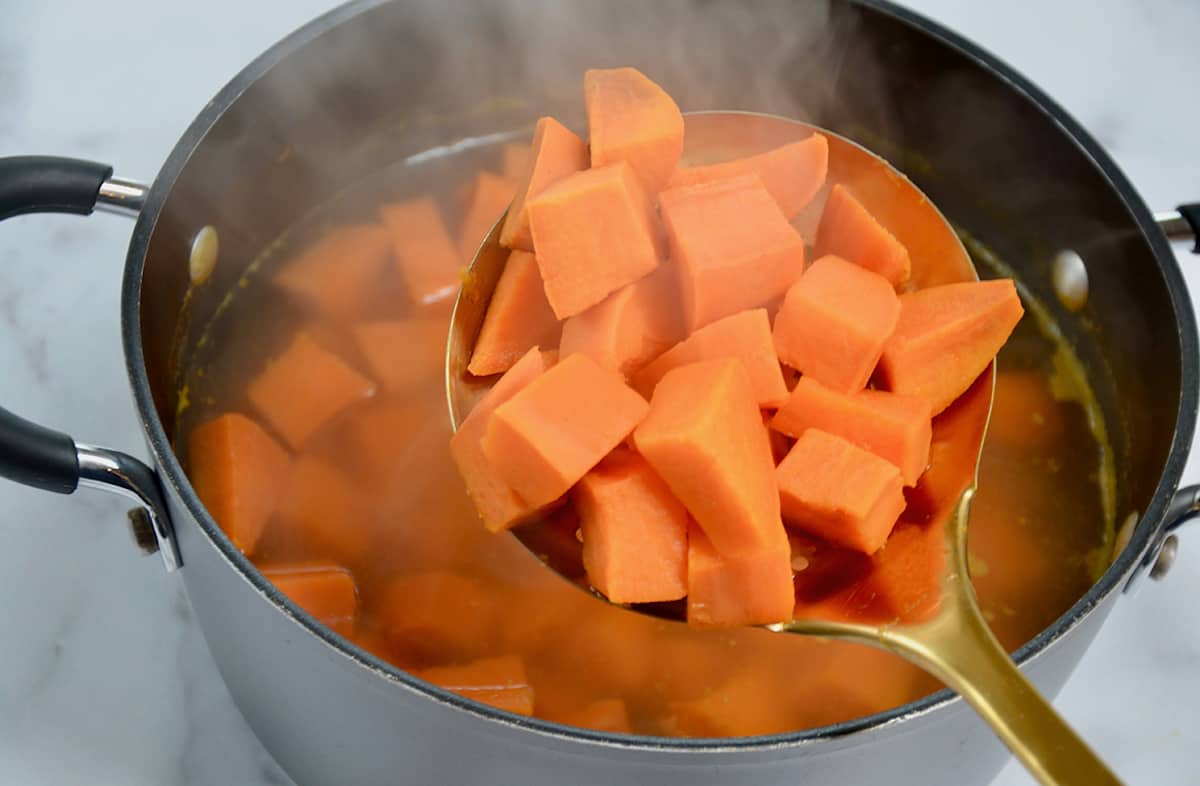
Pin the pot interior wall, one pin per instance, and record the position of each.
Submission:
(400, 78)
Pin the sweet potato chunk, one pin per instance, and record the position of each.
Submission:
(704, 436)
(834, 322)
(557, 152)
(734, 247)
(497, 503)
(745, 336)
(325, 591)
(792, 173)
(518, 318)
(405, 354)
(840, 492)
(632, 119)
(238, 472)
(425, 254)
(490, 197)
(551, 432)
(594, 231)
(499, 682)
(747, 588)
(848, 231)
(891, 426)
(339, 274)
(946, 336)
(304, 388)
(634, 531)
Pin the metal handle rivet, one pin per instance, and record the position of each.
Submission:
(142, 529)
(1070, 278)
(202, 260)
(1165, 559)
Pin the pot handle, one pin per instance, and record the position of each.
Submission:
(1182, 223)
(41, 457)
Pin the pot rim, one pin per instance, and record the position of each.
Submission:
(1114, 577)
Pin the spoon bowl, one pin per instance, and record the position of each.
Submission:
(944, 634)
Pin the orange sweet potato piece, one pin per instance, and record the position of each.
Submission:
(490, 197)
(747, 704)
(848, 231)
(238, 472)
(305, 387)
(602, 715)
(840, 492)
(745, 336)
(704, 436)
(1025, 413)
(595, 231)
(327, 592)
(834, 322)
(747, 588)
(339, 274)
(946, 336)
(891, 426)
(498, 505)
(324, 513)
(499, 682)
(435, 615)
(632, 119)
(734, 247)
(427, 259)
(792, 173)
(551, 432)
(629, 327)
(634, 531)
(557, 152)
(518, 318)
(406, 354)
(907, 573)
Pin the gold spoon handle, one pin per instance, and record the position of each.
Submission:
(978, 669)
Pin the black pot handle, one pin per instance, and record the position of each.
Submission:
(1182, 224)
(44, 458)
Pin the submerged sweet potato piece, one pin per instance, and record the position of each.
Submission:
(404, 354)
(634, 531)
(425, 254)
(436, 615)
(1025, 413)
(304, 388)
(629, 327)
(238, 472)
(891, 426)
(497, 503)
(733, 245)
(557, 152)
(551, 432)
(499, 682)
(595, 231)
(840, 492)
(325, 591)
(834, 322)
(747, 588)
(848, 231)
(324, 513)
(518, 318)
(907, 573)
(632, 119)
(490, 197)
(340, 273)
(602, 715)
(745, 336)
(792, 173)
(946, 336)
(748, 703)
(704, 436)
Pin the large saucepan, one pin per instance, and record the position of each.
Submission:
(373, 82)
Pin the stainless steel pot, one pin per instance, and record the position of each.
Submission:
(371, 83)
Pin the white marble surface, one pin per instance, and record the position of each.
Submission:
(103, 677)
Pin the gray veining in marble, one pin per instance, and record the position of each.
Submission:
(105, 680)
